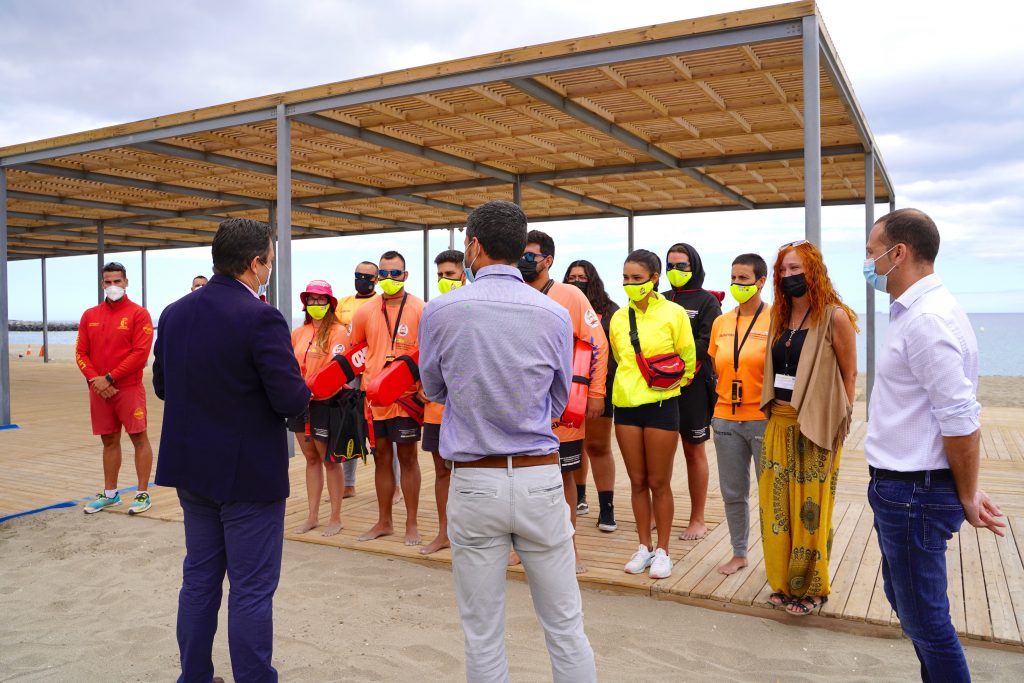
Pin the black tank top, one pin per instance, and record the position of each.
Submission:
(785, 360)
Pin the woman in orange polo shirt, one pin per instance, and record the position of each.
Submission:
(737, 346)
(317, 341)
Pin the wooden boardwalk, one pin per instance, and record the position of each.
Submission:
(53, 459)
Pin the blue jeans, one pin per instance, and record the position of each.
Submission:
(914, 521)
(243, 539)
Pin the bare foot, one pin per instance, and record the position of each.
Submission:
(438, 543)
(332, 529)
(513, 559)
(732, 566)
(581, 566)
(398, 498)
(412, 536)
(376, 531)
(694, 532)
(306, 526)
(349, 492)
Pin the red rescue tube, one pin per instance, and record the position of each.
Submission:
(576, 409)
(395, 380)
(340, 371)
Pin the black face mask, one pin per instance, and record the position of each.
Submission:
(528, 269)
(794, 285)
(364, 287)
(582, 285)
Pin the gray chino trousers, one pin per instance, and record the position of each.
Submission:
(737, 445)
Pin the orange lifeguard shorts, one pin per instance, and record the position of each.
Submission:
(126, 408)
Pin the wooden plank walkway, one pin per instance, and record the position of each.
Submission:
(53, 458)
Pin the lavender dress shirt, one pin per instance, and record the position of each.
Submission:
(498, 354)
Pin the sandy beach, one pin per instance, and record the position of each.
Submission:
(85, 595)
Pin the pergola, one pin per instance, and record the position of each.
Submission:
(739, 111)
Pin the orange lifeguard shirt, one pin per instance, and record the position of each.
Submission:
(751, 367)
(432, 413)
(586, 326)
(347, 307)
(114, 338)
(370, 325)
(313, 357)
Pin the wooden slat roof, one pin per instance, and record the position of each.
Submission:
(697, 115)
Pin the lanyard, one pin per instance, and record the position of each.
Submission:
(737, 345)
(398, 320)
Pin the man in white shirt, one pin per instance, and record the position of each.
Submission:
(923, 436)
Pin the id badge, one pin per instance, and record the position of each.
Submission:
(785, 382)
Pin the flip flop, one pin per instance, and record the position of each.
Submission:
(800, 607)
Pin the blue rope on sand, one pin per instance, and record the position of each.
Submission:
(57, 506)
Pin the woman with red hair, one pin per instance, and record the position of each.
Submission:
(320, 338)
(808, 391)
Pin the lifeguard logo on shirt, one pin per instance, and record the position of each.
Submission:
(94, 324)
(757, 334)
(403, 330)
(148, 329)
(123, 325)
(590, 318)
(138, 413)
(338, 350)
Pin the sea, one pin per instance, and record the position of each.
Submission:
(999, 341)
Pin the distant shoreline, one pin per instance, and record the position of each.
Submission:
(37, 326)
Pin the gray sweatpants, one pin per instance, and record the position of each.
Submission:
(737, 445)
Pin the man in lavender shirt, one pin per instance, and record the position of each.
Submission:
(499, 356)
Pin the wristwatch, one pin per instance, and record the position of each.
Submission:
(109, 378)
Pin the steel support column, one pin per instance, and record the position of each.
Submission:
(812, 131)
(451, 238)
(629, 232)
(145, 298)
(869, 221)
(892, 204)
(5, 359)
(283, 262)
(272, 285)
(426, 263)
(517, 192)
(101, 248)
(46, 319)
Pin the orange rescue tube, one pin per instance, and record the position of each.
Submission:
(576, 408)
(340, 371)
(395, 380)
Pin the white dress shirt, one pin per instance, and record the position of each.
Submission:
(926, 381)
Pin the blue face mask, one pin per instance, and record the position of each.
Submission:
(879, 282)
(262, 289)
(468, 267)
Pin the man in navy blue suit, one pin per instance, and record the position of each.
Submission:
(225, 369)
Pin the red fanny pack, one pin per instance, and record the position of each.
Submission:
(663, 372)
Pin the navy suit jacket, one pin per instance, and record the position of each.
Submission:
(228, 377)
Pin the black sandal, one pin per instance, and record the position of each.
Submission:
(778, 599)
(800, 607)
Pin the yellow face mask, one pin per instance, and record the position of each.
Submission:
(445, 285)
(742, 293)
(638, 292)
(318, 312)
(679, 278)
(391, 287)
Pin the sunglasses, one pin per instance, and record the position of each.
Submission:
(794, 243)
(685, 267)
(385, 274)
(530, 257)
(364, 276)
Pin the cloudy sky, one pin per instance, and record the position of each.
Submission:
(940, 83)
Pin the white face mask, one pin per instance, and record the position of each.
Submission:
(113, 292)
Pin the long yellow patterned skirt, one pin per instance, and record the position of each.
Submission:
(797, 489)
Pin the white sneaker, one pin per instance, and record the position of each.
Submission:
(661, 565)
(640, 561)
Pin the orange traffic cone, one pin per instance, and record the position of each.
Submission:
(42, 350)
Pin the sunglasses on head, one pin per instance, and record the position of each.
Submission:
(364, 276)
(385, 274)
(794, 243)
(530, 257)
(685, 267)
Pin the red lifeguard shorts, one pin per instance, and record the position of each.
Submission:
(126, 408)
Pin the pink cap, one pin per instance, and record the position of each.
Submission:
(319, 287)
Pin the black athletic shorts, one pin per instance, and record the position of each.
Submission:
(431, 437)
(397, 430)
(318, 415)
(696, 409)
(570, 455)
(660, 415)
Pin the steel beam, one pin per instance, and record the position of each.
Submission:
(24, 235)
(100, 256)
(869, 222)
(812, 131)
(168, 188)
(5, 359)
(46, 320)
(399, 196)
(284, 215)
(580, 113)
